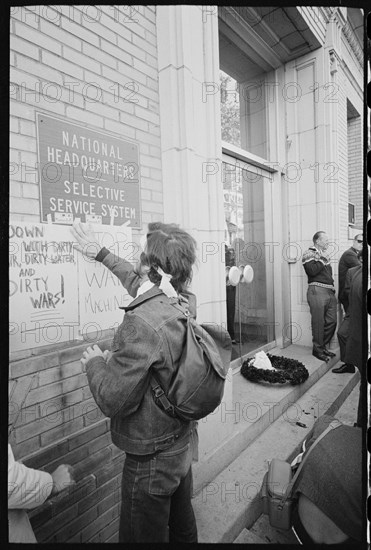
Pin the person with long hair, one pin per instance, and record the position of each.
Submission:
(157, 475)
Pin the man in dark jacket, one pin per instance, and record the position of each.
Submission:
(320, 295)
(350, 258)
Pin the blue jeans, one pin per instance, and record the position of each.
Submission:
(156, 497)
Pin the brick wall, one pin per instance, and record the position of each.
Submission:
(91, 65)
(95, 66)
(355, 167)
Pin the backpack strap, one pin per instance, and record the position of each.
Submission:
(160, 396)
(334, 424)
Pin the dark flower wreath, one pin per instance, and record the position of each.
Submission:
(288, 370)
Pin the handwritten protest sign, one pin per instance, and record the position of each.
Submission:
(100, 292)
(55, 293)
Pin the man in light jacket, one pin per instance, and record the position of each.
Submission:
(27, 489)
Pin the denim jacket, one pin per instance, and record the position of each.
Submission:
(150, 338)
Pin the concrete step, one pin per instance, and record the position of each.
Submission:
(255, 407)
(247, 537)
(230, 502)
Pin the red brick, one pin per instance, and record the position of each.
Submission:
(72, 354)
(88, 434)
(110, 470)
(74, 495)
(25, 448)
(49, 528)
(102, 442)
(39, 516)
(100, 493)
(101, 522)
(73, 458)
(75, 526)
(39, 426)
(111, 500)
(61, 432)
(33, 364)
(45, 456)
(92, 463)
(110, 531)
(60, 372)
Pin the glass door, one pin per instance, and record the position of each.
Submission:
(248, 234)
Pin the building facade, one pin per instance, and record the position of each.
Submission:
(243, 125)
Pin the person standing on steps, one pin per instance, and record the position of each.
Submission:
(351, 258)
(320, 295)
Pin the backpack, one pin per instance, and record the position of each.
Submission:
(197, 386)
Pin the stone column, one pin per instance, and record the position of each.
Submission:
(188, 64)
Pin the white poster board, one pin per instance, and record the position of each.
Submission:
(55, 293)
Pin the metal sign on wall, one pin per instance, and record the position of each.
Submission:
(86, 174)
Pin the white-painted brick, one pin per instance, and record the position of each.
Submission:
(71, 12)
(152, 61)
(155, 151)
(99, 54)
(144, 149)
(62, 65)
(145, 194)
(157, 197)
(24, 206)
(102, 110)
(153, 207)
(124, 74)
(30, 191)
(22, 143)
(51, 13)
(37, 37)
(145, 69)
(64, 37)
(130, 48)
(118, 53)
(28, 128)
(83, 116)
(113, 22)
(12, 59)
(152, 184)
(119, 103)
(138, 41)
(81, 32)
(38, 69)
(144, 171)
(15, 188)
(156, 174)
(151, 83)
(14, 158)
(147, 138)
(147, 115)
(151, 38)
(151, 162)
(121, 129)
(43, 103)
(26, 15)
(29, 159)
(81, 59)
(14, 125)
(21, 46)
(134, 121)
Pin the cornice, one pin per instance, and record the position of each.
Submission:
(353, 42)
